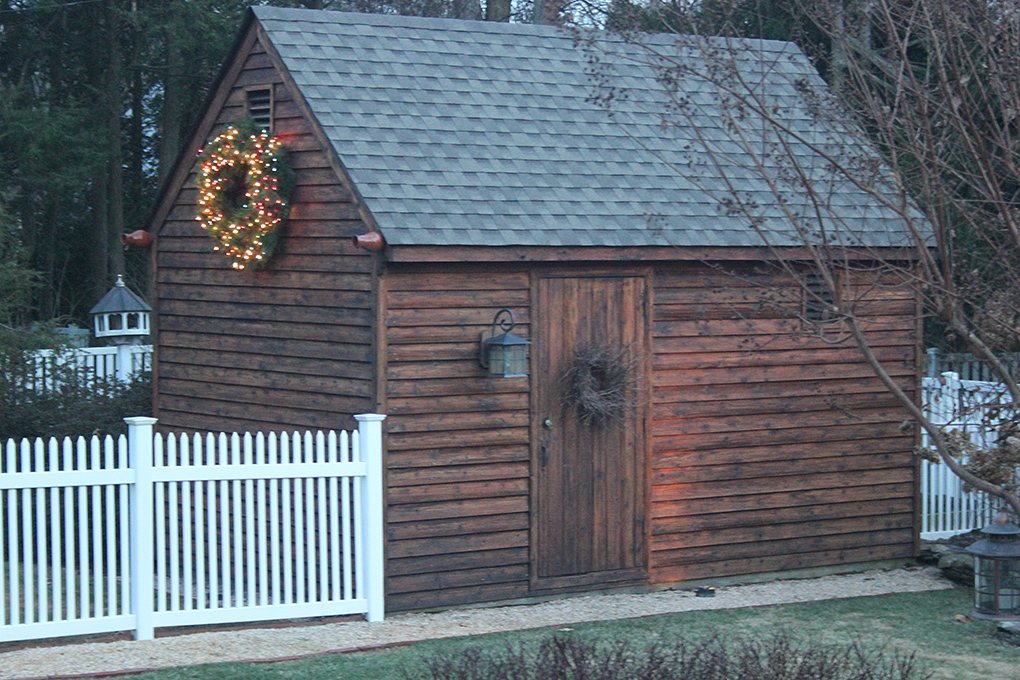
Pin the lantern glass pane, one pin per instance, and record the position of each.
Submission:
(516, 361)
(1009, 587)
(496, 358)
(132, 320)
(984, 585)
(116, 322)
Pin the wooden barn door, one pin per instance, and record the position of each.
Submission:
(588, 498)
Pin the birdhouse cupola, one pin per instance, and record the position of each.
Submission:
(121, 315)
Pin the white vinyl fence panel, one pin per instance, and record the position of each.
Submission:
(121, 363)
(144, 531)
(946, 509)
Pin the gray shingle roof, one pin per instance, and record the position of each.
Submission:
(476, 133)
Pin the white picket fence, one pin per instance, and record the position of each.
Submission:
(149, 531)
(946, 509)
(120, 362)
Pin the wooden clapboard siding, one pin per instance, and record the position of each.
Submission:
(773, 448)
(458, 456)
(289, 346)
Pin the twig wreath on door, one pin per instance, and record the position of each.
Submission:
(600, 384)
(245, 184)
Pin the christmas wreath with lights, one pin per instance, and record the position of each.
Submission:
(244, 188)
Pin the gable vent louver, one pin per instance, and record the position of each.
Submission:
(819, 303)
(260, 107)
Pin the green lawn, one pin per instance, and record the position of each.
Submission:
(922, 623)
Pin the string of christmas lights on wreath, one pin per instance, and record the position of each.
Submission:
(244, 184)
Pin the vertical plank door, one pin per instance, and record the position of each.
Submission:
(588, 479)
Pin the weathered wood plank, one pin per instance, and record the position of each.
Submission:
(793, 435)
(442, 456)
(766, 533)
(352, 396)
(480, 316)
(413, 280)
(294, 297)
(177, 413)
(244, 381)
(401, 511)
(726, 490)
(512, 401)
(690, 507)
(444, 334)
(458, 438)
(276, 280)
(822, 389)
(903, 354)
(756, 550)
(453, 299)
(768, 342)
(266, 312)
(442, 545)
(709, 425)
(777, 468)
(432, 564)
(449, 422)
(488, 489)
(445, 581)
(711, 521)
(261, 350)
(870, 552)
(446, 387)
(773, 374)
(901, 447)
(450, 474)
(753, 327)
(731, 408)
(451, 597)
(460, 526)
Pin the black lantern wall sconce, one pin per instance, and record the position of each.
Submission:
(506, 354)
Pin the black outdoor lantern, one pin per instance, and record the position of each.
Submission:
(997, 571)
(506, 354)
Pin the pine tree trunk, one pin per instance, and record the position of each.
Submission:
(497, 10)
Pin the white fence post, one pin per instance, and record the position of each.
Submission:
(124, 361)
(140, 459)
(370, 436)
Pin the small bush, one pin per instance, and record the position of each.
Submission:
(776, 658)
(74, 404)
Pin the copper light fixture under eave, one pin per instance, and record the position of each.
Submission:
(504, 355)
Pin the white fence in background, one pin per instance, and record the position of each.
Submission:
(967, 405)
(120, 362)
(146, 531)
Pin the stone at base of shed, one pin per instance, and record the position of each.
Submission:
(746, 579)
(948, 554)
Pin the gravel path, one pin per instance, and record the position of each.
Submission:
(259, 644)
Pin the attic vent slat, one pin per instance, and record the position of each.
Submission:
(819, 303)
(260, 107)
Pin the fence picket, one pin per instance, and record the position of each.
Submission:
(199, 505)
(249, 523)
(14, 558)
(260, 458)
(173, 508)
(952, 403)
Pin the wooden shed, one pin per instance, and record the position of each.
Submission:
(745, 447)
